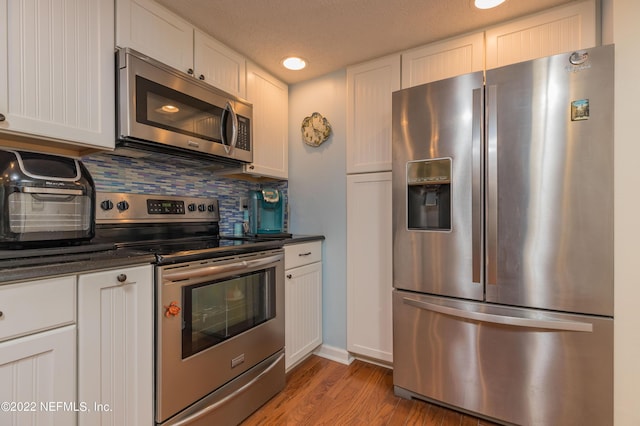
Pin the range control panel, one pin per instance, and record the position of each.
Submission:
(113, 207)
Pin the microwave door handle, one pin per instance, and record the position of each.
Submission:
(228, 109)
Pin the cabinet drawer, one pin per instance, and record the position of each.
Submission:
(302, 254)
(35, 306)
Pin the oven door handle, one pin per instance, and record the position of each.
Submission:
(219, 269)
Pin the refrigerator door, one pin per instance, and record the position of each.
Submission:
(550, 183)
(436, 183)
(521, 366)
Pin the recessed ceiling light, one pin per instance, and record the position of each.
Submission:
(170, 108)
(294, 63)
(488, 4)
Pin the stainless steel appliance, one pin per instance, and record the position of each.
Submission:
(503, 241)
(165, 110)
(219, 306)
(44, 199)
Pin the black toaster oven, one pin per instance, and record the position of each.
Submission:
(44, 199)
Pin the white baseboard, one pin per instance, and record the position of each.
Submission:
(334, 354)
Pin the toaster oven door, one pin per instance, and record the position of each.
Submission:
(42, 214)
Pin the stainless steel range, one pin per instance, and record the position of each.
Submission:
(219, 306)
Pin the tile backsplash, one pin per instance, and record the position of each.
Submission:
(113, 173)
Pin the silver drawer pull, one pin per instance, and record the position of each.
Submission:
(122, 278)
(304, 254)
(1, 314)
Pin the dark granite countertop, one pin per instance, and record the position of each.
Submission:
(70, 264)
(12, 270)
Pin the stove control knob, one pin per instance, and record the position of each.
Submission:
(106, 205)
(202, 207)
(122, 205)
(211, 208)
(191, 207)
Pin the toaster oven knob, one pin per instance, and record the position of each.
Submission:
(123, 205)
(202, 207)
(106, 205)
(211, 208)
(191, 207)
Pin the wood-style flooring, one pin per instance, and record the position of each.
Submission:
(324, 392)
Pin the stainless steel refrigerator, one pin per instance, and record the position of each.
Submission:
(503, 241)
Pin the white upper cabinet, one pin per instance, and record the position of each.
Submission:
(56, 71)
(558, 30)
(369, 89)
(270, 99)
(442, 60)
(218, 65)
(149, 28)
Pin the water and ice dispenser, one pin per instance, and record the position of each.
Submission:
(429, 195)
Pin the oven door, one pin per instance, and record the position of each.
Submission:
(160, 106)
(216, 319)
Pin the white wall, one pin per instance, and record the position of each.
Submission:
(626, 35)
(317, 191)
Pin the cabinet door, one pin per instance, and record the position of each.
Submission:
(56, 70)
(369, 266)
(442, 60)
(149, 28)
(218, 65)
(369, 89)
(40, 371)
(115, 341)
(270, 99)
(303, 311)
(558, 30)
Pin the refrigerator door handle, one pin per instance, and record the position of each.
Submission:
(492, 185)
(476, 190)
(548, 324)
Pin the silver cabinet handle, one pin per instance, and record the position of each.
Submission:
(190, 71)
(502, 319)
(289, 276)
(305, 254)
(122, 278)
(201, 77)
(2, 117)
(1, 314)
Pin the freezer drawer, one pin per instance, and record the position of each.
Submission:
(520, 366)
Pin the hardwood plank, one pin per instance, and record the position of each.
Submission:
(323, 392)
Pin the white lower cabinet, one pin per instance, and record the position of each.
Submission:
(369, 266)
(303, 300)
(38, 352)
(115, 346)
(38, 379)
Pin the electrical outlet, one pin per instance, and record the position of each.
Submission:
(243, 204)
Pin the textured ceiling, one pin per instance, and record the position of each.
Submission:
(332, 34)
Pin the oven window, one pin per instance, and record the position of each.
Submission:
(160, 106)
(218, 310)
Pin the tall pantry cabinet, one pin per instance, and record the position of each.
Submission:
(369, 279)
(369, 89)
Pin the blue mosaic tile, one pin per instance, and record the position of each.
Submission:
(113, 173)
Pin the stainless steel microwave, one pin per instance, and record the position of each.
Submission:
(161, 109)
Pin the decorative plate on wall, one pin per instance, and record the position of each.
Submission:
(315, 129)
